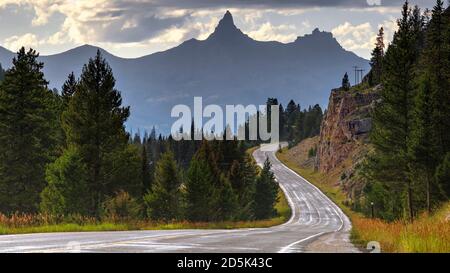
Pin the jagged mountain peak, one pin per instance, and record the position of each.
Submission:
(226, 30)
(317, 34)
(227, 20)
(319, 40)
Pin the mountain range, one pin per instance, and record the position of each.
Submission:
(228, 67)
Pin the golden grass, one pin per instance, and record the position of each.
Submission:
(299, 154)
(428, 234)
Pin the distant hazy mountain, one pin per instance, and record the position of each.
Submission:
(228, 67)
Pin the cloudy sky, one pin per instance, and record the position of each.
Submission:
(132, 28)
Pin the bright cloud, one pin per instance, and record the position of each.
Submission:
(361, 38)
(27, 40)
(354, 37)
(269, 32)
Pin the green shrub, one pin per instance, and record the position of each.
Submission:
(121, 207)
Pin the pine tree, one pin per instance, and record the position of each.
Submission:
(423, 142)
(430, 141)
(345, 82)
(200, 192)
(376, 62)
(266, 193)
(437, 66)
(94, 124)
(68, 89)
(27, 120)
(227, 203)
(164, 200)
(393, 118)
(219, 161)
(291, 115)
(146, 172)
(242, 177)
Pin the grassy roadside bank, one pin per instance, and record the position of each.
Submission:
(426, 234)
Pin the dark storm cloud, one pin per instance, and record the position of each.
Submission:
(262, 3)
(192, 4)
(398, 3)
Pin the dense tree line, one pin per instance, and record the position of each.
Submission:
(297, 124)
(409, 169)
(68, 152)
(203, 180)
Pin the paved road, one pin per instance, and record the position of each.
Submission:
(316, 225)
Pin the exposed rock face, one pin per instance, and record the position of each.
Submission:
(344, 127)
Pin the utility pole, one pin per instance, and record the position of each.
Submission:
(356, 74)
(360, 73)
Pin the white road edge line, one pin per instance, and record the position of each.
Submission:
(286, 248)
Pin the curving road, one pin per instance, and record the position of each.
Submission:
(316, 225)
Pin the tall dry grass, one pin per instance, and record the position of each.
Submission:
(18, 220)
(428, 234)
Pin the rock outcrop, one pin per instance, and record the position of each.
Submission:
(345, 127)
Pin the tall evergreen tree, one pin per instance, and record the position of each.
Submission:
(94, 124)
(345, 82)
(265, 193)
(26, 133)
(423, 145)
(376, 62)
(201, 194)
(393, 118)
(227, 203)
(430, 140)
(146, 172)
(437, 66)
(242, 177)
(68, 89)
(164, 200)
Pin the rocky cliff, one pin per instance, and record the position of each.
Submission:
(345, 127)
